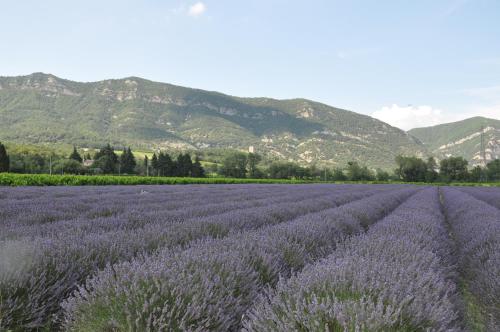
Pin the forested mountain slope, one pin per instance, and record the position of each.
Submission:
(42, 108)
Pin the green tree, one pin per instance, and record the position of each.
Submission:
(411, 169)
(287, 170)
(154, 164)
(252, 160)
(431, 174)
(106, 159)
(355, 172)
(382, 175)
(127, 162)
(146, 165)
(453, 169)
(183, 165)
(338, 175)
(106, 164)
(75, 155)
(4, 159)
(165, 165)
(197, 170)
(493, 170)
(68, 166)
(476, 174)
(234, 165)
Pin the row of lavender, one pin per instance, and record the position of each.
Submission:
(431, 263)
(41, 262)
(134, 209)
(488, 195)
(213, 283)
(24, 207)
(476, 227)
(414, 271)
(395, 277)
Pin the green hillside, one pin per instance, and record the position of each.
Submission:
(462, 138)
(44, 109)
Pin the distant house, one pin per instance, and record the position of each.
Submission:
(88, 162)
(251, 149)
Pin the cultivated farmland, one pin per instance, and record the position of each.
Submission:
(250, 257)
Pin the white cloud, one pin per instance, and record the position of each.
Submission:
(481, 101)
(408, 117)
(197, 9)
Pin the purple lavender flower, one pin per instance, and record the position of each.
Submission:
(395, 277)
(211, 284)
(52, 239)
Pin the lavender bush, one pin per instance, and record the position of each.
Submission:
(396, 277)
(476, 227)
(251, 257)
(157, 292)
(43, 266)
(488, 195)
(104, 215)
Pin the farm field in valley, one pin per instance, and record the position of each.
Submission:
(310, 257)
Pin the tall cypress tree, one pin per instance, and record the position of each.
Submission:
(123, 161)
(127, 161)
(4, 159)
(183, 165)
(179, 165)
(107, 151)
(154, 163)
(188, 165)
(75, 155)
(197, 170)
(131, 163)
(106, 159)
(146, 165)
(165, 164)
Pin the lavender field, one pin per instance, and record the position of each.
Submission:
(250, 258)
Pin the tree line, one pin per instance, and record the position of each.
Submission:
(159, 165)
(451, 169)
(409, 169)
(104, 161)
(245, 165)
(248, 165)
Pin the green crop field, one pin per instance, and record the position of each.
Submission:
(13, 179)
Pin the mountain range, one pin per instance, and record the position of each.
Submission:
(44, 109)
(477, 139)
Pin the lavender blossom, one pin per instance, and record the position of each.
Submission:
(53, 239)
(395, 277)
(157, 292)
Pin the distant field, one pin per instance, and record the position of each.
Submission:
(13, 179)
(252, 257)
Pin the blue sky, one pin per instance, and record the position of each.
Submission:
(410, 63)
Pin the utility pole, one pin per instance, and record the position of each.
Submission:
(483, 148)
(483, 156)
(50, 164)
